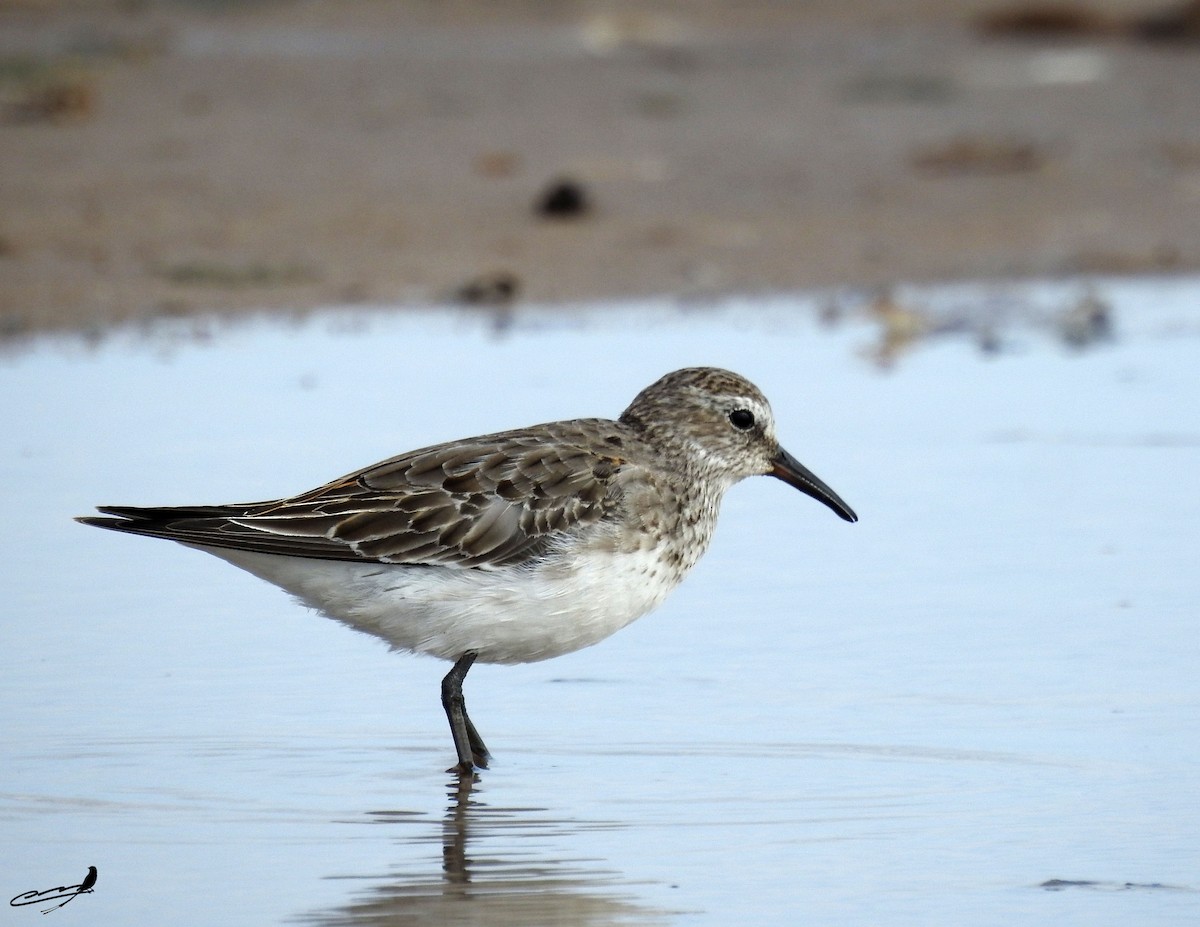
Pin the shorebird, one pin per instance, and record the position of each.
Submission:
(510, 547)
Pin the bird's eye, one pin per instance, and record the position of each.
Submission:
(741, 418)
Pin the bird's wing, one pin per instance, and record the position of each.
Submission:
(491, 501)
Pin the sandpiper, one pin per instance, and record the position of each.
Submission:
(510, 547)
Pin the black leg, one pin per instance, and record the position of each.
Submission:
(468, 744)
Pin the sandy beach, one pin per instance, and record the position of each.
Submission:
(168, 159)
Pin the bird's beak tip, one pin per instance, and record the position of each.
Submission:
(787, 468)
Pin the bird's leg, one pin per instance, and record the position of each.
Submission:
(479, 750)
(469, 745)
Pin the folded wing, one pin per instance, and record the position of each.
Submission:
(491, 501)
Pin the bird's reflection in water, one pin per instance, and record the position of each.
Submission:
(500, 867)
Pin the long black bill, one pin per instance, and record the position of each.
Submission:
(794, 473)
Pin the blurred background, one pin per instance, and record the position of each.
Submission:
(167, 158)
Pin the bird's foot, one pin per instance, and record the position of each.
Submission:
(464, 768)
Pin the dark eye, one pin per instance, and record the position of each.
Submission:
(741, 418)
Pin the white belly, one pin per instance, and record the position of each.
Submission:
(510, 615)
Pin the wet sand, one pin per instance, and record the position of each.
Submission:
(170, 159)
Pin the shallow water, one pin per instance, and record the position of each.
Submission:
(988, 684)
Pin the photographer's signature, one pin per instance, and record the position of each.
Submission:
(67, 892)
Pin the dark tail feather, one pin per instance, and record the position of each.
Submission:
(172, 512)
(213, 526)
(160, 521)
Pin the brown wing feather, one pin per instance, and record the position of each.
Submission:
(489, 501)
